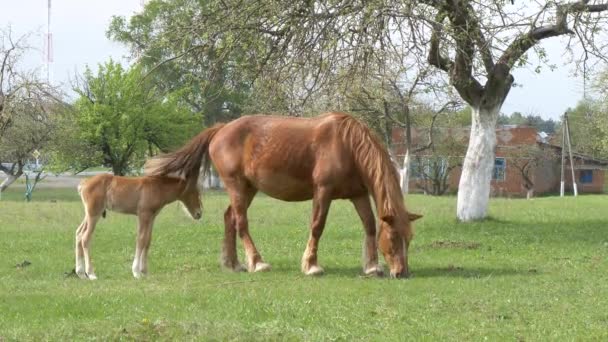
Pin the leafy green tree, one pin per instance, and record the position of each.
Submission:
(119, 119)
(202, 65)
(589, 127)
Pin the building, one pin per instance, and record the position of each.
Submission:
(526, 162)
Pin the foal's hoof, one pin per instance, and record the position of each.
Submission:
(261, 267)
(374, 271)
(82, 275)
(138, 275)
(315, 270)
(92, 276)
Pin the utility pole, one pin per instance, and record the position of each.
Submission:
(562, 182)
(570, 155)
(566, 141)
(48, 44)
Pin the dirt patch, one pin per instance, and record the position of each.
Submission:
(454, 244)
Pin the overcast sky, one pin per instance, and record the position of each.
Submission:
(79, 26)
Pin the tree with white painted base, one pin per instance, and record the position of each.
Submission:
(471, 41)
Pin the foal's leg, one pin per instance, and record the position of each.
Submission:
(79, 269)
(320, 208)
(370, 247)
(87, 235)
(144, 237)
(241, 196)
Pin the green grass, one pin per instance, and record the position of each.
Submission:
(537, 270)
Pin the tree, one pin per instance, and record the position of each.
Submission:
(26, 108)
(474, 43)
(118, 120)
(199, 63)
(516, 118)
(527, 159)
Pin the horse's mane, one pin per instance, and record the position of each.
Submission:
(375, 165)
(188, 160)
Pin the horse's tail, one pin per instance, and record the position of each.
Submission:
(186, 161)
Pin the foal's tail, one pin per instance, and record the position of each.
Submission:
(186, 161)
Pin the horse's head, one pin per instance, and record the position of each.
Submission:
(191, 198)
(394, 241)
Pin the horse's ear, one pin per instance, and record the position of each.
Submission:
(413, 217)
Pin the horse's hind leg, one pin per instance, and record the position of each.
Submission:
(87, 235)
(370, 247)
(79, 269)
(240, 198)
(320, 208)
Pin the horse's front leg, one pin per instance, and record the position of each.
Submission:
(240, 198)
(370, 246)
(145, 221)
(320, 208)
(230, 258)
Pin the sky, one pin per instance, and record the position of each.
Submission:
(79, 26)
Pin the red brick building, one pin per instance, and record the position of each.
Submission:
(516, 145)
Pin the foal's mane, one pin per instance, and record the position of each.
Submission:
(375, 165)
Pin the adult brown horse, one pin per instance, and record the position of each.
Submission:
(332, 156)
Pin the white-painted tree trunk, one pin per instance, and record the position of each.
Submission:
(404, 173)
(474, 186)
(529, 193)
(10, 179)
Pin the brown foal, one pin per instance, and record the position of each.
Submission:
(140, 196)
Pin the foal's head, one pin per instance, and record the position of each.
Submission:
(394, 241)
(191, 198)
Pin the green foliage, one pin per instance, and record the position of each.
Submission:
(211, 74)
(589, 127)
(517, 118)
(119, 120)
(536, 271)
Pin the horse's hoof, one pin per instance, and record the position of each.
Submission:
(239, 268)
(315, 270)
(138, 275)
(92, 276)
(261, 267)
(402, 275)
(374, 271)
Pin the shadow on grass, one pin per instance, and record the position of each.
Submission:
(451, 271)
(448, 271)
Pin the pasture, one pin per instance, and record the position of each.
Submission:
(537, 270)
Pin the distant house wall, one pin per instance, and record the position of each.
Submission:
(545, 177)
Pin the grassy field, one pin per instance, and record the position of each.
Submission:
(537, 270)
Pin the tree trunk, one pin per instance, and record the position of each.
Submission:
(530, 193)
(404, 173)
(474, 186)
(10, 179)
(11, 175)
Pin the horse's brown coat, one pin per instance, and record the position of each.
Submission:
(328, 157)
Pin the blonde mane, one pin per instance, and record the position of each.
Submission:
(375, 166)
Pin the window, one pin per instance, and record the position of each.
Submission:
(585, 176)
(500, 166)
